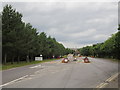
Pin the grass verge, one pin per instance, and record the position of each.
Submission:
(113, 60)
(23, 63)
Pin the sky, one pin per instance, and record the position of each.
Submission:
(74, 24)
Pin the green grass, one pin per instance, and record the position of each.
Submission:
(23, 63)
(115, 60)
(65, 56)
(111, 59)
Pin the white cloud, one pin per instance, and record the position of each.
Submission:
(85, 33)
(1, 7)
(75, 24)
(101, 36)
(71, 45)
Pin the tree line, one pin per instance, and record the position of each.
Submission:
(108, 49)
(22, 42)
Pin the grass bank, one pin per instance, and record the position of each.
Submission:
(110, 59)
(114, 60)
(23, 63)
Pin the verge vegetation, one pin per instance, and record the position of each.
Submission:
(23, 63)
(108, 49)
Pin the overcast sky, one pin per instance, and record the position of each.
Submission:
(74, 24)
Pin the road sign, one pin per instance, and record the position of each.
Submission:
(38, 58)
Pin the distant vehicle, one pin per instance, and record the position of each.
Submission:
(65, 60)
(86, 60)
(75, 59)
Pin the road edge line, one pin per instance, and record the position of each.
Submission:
(14, 81)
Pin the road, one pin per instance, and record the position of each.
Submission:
(55, 74)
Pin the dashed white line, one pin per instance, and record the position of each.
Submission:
(36, 66)
(37, 72)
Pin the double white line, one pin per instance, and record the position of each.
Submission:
(102, 85)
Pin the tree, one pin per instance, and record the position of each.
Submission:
(11, 25)
(22, 42)
(43, 48)
(117, 44)
(110, 48)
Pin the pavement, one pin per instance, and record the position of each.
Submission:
(55, 74)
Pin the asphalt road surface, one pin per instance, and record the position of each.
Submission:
(55, 74)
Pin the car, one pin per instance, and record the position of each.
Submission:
(86, 60)
(65, 60)
(75, 59)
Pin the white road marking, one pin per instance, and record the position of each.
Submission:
(36, 66)
(102, 85)
(37, 72)
(14, 81)
(32, 75)
(112, 78)
(11, 68)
